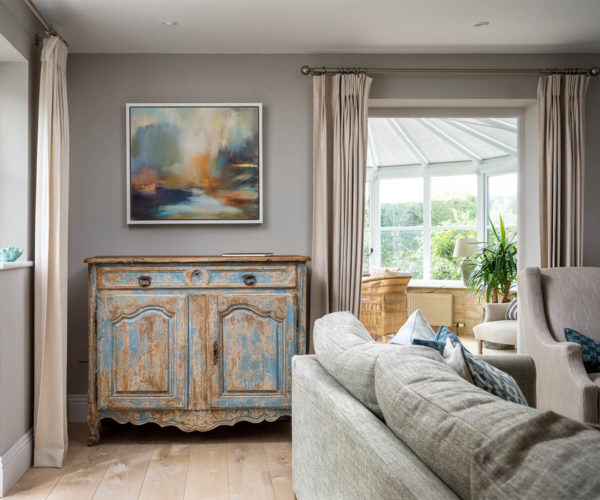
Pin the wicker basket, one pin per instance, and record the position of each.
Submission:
(383, 304)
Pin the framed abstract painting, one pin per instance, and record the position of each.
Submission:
(194, 163)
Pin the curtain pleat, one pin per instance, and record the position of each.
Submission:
(50, 274)
(340, 113)
(561, 103)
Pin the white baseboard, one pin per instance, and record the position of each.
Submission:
(77, 407)
(15, 462)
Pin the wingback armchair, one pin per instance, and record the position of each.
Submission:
(551, 300)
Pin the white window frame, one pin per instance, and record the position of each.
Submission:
(483, 169)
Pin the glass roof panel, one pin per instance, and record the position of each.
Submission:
(415, 141)
(390, 148)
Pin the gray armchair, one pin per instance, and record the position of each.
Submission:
(551, 300)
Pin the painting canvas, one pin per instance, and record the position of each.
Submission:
(194, 163)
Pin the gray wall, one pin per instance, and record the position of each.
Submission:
(100, 85)
(15, 356)
(18, 27)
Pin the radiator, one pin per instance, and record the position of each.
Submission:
(436, 307)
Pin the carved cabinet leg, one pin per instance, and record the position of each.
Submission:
(94, 435)
(94, 427)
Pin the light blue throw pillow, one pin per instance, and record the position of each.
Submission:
(416, 327)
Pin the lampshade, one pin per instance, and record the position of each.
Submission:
(465, 247)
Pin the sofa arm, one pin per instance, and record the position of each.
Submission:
(519, 367)
(566, 388)
(563, 384)
(495, 312)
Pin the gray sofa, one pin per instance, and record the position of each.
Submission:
(397, 422)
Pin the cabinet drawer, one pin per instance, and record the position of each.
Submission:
(247, 277)
(142, 277)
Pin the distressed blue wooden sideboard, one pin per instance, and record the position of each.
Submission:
(193, 342)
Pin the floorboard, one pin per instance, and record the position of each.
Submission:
(247, 461)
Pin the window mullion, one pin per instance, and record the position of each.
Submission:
(482, 207)
(427, 228)
(375, 224)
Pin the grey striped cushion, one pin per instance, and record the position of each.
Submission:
(511, 312)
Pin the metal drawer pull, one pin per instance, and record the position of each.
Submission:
(145, 281)
(249, 279)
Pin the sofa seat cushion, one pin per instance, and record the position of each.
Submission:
(439, 415)
(347, 351)
(500, 332)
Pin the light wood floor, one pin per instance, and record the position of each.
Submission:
(247, 461)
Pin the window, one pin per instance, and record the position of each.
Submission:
(432, 181)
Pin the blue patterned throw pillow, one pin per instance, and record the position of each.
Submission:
(493, 380)
(590, 350)
(445, 333)
(438, 346)
(511, 311)
(487, 377)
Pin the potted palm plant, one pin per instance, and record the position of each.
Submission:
(494, 267)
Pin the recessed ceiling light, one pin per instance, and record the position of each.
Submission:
(481, 24)
(170, 23)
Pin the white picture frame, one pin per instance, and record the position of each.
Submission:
(231, 203)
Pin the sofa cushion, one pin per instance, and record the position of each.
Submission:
(347, 351)
(439, 415)
(566, 451)
(501, 332)
(416, 327)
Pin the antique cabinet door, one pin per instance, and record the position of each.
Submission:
(142, 350)
(250, 345)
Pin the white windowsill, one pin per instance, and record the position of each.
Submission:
(16, 265)
(436, 284)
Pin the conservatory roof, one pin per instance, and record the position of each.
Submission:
(433, 141)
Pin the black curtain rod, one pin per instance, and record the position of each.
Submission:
(593, 71)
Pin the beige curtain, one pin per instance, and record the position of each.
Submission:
(561, 101)
(51, 223)
(340, 109)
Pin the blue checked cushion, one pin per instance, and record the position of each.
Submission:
(487, 377)
(511, 311)
(493, 380)
(590, 350)
(439, 346)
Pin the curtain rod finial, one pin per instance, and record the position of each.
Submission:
(305, 70)
(595, 71)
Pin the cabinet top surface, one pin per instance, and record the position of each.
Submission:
(130, 259)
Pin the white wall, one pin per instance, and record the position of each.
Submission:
(14, 155)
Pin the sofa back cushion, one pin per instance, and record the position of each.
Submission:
(347, 351)
(439, 415)
(549, 456)
(571, 296)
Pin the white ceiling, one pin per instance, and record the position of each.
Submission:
(327, 26)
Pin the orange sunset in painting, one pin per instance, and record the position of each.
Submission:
(194, 163)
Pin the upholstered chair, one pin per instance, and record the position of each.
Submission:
(496, 328)
(551, 300)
